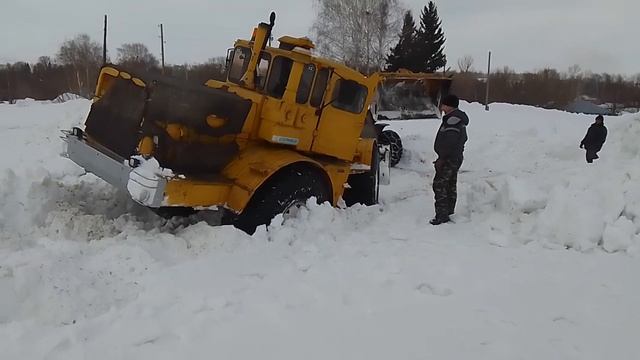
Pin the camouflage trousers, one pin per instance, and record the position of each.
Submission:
(445, 188)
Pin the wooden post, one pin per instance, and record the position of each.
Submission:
(486, 100)
(104, 42)
(162, 46)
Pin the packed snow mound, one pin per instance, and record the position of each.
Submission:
(66, 97)
(525, 179)
(87, 272)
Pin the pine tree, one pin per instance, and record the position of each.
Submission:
(401, 55)
(430, 40)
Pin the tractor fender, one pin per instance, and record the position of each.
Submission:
(257, 164)
(380, 127)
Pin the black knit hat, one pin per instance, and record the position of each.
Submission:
(600, 117)
(451, 100)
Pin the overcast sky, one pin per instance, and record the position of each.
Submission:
(523, 34)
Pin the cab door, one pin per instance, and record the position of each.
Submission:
(342, 118)
(287, 116)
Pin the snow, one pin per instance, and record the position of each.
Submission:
(540, 264)
(66, 97)
(145, 179)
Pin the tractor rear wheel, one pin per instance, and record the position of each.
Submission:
(364, 188)
(391, 138)
(285, 191)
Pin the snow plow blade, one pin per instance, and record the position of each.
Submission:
(408, 95)
(112, 168)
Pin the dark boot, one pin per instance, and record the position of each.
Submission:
(439, 220)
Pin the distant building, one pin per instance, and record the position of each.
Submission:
(583, 106)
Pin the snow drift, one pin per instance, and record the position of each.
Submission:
(87, 273)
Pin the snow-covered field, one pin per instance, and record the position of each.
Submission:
(542, 263)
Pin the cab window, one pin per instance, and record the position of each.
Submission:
(280, 71)
(319, 87)
(262, 70)
(349, 96)
(306, 80)
(239, 63)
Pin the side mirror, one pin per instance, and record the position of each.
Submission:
(227, 62)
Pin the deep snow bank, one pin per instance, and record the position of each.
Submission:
(525, 179)
(85, 272)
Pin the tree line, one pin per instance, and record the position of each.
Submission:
(75, 68)
(341, 31)
(548, 88)
(368, 35)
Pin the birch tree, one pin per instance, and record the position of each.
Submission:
(357, 32)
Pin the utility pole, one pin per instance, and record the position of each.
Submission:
(486, 101)
(104, 43)
(162, 46)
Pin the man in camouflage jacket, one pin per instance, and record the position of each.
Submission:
(449, 145)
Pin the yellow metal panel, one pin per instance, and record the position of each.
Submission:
(215, 122)
(338, 173)
(104, 80)
(364, 151)
(284, 121)
(288, 124)
(193, 193)
(247, 173)
(259, 41)
(145, 147)
(305, 43)
(107, 70)
(257, 163)
(175, 131)
(292, 83)
(339, 131)
(138, 82)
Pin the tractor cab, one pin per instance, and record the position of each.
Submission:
(313, 104)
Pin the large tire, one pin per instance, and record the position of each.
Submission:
(291, 185)
(364, 188)
(171, 212)
(391, 138)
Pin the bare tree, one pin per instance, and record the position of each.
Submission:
(45, 61)
(85, 57)
(136, 56)
(574, 71)
(357, 32)
(465, 64)
(80, 51)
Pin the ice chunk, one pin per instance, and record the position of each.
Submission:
(619, 236)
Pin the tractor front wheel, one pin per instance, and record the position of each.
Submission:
(283, 193)
(364, 188)
(391, 138)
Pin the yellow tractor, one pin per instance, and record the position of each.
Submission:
(284, 127)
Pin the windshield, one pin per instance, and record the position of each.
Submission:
(239, 64)
(349, 96)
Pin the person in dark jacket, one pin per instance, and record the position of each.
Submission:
(595, 138)
(449, 145)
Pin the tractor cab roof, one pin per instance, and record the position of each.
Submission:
(300, 49)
